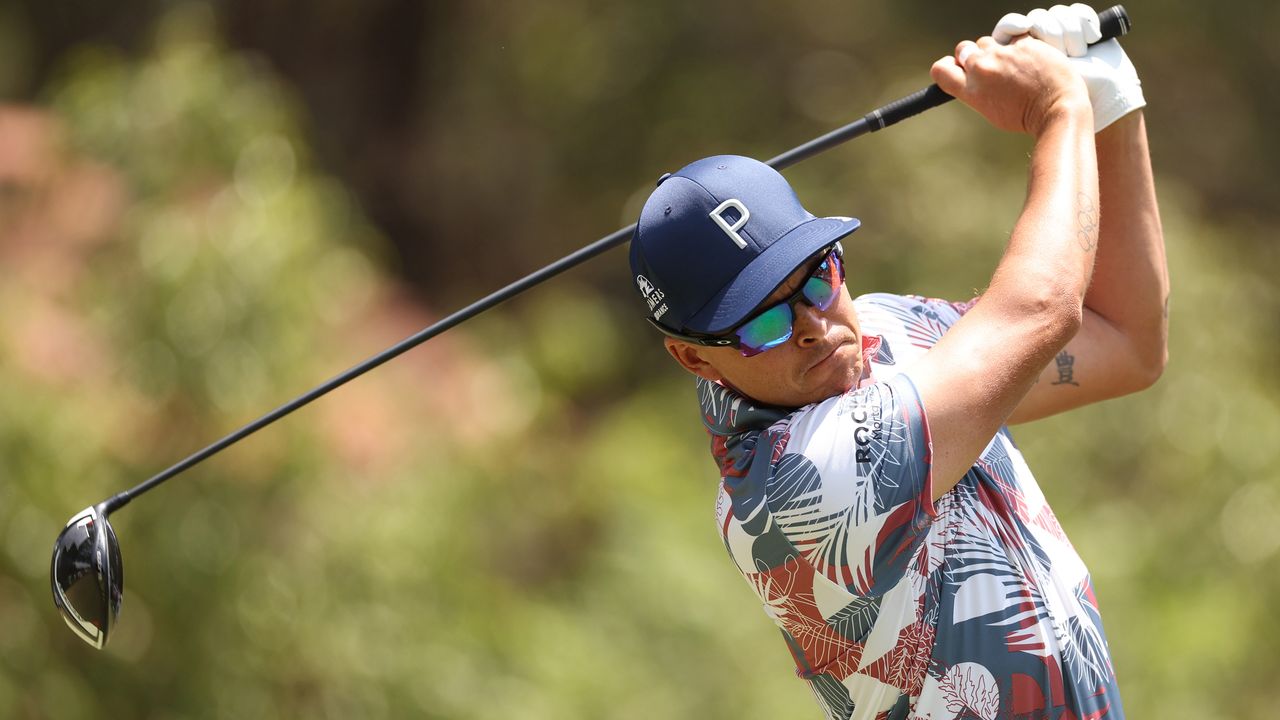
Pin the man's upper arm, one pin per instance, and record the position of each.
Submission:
(974, 378)
(1099, 363)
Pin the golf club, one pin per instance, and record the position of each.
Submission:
(87, 573)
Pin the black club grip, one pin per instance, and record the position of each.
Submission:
(1112, 23)
(903, 108)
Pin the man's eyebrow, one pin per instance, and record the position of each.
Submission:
(783, 291)
(786, 289)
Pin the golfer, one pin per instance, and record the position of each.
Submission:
(872, 495)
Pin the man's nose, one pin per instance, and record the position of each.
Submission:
(810, 324)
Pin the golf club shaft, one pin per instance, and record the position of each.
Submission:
(576, 258)
(1114, 23)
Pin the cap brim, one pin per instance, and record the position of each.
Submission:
(768, 271)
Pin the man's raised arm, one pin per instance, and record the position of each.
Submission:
(1121, 346)
(976, 375)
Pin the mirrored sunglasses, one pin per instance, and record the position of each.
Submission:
(774, 325)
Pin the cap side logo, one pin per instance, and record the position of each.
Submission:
(731, 229)
(653, 296)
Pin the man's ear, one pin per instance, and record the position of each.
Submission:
(691, 358)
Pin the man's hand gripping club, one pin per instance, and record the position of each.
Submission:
(1114, 88)
(1019, 87)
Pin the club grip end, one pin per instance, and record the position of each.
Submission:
(1114, 22)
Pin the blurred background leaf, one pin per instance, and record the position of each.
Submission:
(206, 209)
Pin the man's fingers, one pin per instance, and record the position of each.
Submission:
(965, 50)
(1072, 30)
(1045, 27)
(1089, 23)
(951, 73)
(948, 75)
(1010, 27)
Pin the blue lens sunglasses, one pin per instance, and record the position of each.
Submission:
(774, 325)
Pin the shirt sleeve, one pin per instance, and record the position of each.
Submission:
(949, 310)
(852, 489)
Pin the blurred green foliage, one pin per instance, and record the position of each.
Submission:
(515, 520)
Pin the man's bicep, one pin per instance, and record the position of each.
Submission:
(1098, 363)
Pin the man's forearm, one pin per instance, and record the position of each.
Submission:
(1130, 287)
(1052, 245)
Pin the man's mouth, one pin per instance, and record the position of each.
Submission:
(828, 355)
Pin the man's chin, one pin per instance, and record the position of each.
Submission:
(842, 376)
(844, 386)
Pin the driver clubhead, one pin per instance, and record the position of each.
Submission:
(88, 576)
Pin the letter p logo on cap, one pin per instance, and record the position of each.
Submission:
(731, 230)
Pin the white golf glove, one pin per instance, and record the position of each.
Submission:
(1114, 88)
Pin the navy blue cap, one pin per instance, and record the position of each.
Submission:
(717, 237)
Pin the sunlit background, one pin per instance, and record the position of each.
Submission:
(207, 209)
